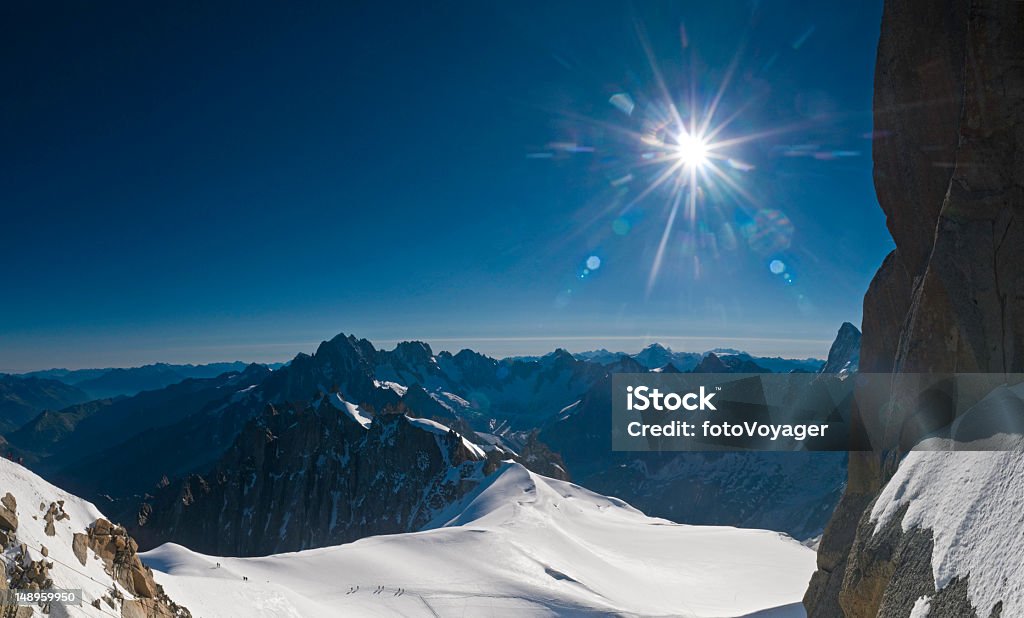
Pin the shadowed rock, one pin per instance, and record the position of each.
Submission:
(949, 107)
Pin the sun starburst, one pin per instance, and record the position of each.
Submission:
(692, 150)
(675, 151)
(690, 142)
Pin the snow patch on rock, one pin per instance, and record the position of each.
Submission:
(973, 502)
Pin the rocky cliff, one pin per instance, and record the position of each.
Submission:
(325, 474)
(949, 127)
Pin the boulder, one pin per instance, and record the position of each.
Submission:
(79, 545)
(8, 520)
(142, 582)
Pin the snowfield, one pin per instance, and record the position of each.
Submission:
(973, 502)
(972, 499)
(520, 544)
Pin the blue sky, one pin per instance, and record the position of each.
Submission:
(235, 180)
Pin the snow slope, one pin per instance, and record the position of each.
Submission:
(437, 428)
(354, 411)
(520, 544)
(31, 491)
(973, 502)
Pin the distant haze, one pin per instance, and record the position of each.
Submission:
(495, 347)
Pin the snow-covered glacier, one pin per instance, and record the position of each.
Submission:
(521, 544)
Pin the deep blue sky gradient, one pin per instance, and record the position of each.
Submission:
(212, 181)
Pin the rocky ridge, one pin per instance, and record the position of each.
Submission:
(22, 398)
(949, 112)
(324, 474)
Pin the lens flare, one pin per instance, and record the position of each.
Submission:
(686, 136)
(673, 153)
(691, 150)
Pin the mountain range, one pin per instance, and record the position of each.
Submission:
(657, 356)
(352, 443)
(21, 398)
(117, 381)
(172, 461)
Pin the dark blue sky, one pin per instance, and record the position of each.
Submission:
(210, 181)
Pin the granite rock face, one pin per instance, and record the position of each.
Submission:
(119, 553)
(314, 476)
(949, 174)
(967, 313)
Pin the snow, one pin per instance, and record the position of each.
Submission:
(438, 428)
(921, 608)
(451, 398)
(67, 573)
(451, 402)
(568, 411)
(973, 502)
(243, 393)
(495, 443)
(520, 544)
(352, 410)
(365, 420)
(397, 388)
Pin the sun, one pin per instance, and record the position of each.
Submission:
(691, 150)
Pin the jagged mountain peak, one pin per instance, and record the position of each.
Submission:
(713, 363)
(255, 371)
(724, 351)
(346, 345)
(418, 352)
(560, 356)
(844, 355)
(625, 364)
(466, 355)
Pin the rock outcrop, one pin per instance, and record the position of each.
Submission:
(949, 174)
(324, 474)
(8, 518)
(35, 556)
